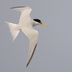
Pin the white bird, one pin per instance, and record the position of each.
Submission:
(26, 24)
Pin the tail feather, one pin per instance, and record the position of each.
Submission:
(13, 29)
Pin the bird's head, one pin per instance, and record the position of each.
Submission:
(38, 22)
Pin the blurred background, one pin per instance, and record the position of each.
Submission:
(54, 49)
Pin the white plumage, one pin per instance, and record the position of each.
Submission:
(26, 25)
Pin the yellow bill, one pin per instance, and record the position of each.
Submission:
(43, 24)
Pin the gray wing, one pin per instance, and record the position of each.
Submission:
(25, 13)
(33, 37)
(20, 8)
(32, 47)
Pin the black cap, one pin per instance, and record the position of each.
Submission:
(37, 20)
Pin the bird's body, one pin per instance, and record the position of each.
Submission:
(26, 24)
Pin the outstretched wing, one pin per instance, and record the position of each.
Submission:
(25, 13)
(33, 37)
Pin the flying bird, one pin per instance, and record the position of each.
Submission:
(26, 24)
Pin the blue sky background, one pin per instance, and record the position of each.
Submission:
(54, 49)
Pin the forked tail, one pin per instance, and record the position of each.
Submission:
(13, 29)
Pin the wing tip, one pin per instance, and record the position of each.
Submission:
(31, 56)
(17, 7)
(26, 65)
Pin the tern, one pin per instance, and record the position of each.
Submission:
(26, 24)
